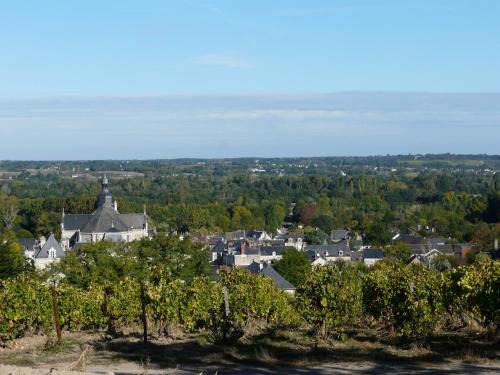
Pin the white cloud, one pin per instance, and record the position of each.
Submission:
(222, 60)
(249, 125)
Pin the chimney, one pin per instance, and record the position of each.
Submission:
(242, 248)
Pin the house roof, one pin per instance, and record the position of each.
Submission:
(438, 241)
(268, 250)
(279, 281)
(319, 261)
(28, 244)
(373, 254)
(332, 250)
(254, 234)
(219, 247)
(251, 250)
(339, 234)
(235, 235)
(447, 248)
(254, 267)
(411, 239)
(51, 243)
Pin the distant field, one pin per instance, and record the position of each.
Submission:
(474, 163)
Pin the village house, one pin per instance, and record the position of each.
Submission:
(42, 252)
(371, 256)
(295, 240)
(424, 259)
(271, 253)
(329, 253)
(339, 235)
(241, 255)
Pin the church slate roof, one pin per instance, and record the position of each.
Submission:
(75, 221)
(50, 243)
(104, 219)
(136, 221)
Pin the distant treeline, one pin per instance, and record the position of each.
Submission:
(362, 194)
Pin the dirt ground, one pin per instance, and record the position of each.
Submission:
(270, 353)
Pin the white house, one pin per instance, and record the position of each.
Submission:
(43, 252)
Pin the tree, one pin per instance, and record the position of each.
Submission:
(308, 212)
(8, 210)
(484, 236)
(399, 251)
(377, 232)
(176, 258)
(294, 266)
(12, 260)
(443, 262)
(242, 217)
(275, 214)
(315, 236)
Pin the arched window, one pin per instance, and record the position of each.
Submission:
(52, 253)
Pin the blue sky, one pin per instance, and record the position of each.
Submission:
(73, 58)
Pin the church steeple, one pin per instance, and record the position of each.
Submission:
(105, 198)
(105, 185)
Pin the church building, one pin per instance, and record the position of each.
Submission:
(105, 223)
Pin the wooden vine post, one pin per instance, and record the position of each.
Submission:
(55, 305)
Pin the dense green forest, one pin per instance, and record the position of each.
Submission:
(457, 196)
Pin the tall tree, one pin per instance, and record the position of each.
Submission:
(8, 210)
(294, 266)
(12, 260)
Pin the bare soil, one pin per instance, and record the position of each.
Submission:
(270, 352)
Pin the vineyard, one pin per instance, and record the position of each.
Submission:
(410, 302)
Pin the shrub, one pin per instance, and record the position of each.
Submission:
(407, 299)
(331, 298)
(475, 289)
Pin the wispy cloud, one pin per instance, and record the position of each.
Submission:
(204, 5)
(223, 60)
(351, 7)
(249, 125)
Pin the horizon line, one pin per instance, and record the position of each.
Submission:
(251, 157)
(243, 94)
